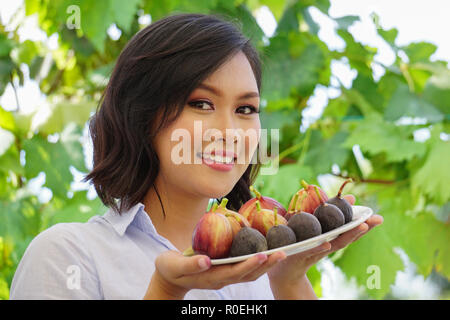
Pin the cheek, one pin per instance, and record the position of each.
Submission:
(249, 139)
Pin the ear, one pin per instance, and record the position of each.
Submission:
(350, 198)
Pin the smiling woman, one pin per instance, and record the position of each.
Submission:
(179, 71)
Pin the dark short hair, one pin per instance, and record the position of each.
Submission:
(153, 77)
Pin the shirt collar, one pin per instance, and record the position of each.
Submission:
(120, 223)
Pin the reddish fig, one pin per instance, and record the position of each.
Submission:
(263, 219)
(292, 211)
(329, 216)
(237, 221)
(307, 199)
(213, 235)
(248, 209)
(342, 203)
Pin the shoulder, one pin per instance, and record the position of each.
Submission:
(50, 260)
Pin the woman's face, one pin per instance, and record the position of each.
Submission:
(219, 121)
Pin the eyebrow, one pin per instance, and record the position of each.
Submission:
(217, 92)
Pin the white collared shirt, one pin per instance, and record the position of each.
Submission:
(109, 257)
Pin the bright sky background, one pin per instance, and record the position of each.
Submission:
(416, 20)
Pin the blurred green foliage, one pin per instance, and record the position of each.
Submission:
(403, 179)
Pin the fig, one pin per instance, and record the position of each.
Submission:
(248, 209)
(263, 219)
(213, 235)
(342, 203)
(236, 220)
(307, 199)
(279, 235)
(304, 225)
(247, 241)
(329, 216)
(292, 211)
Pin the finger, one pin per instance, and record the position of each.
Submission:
(272, 260)
(374, 220)
(175, 265)
(350, 198)
(348, 237)
(324, 247)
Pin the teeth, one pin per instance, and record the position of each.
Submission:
(219, 158)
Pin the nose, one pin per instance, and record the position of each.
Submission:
(226, 125)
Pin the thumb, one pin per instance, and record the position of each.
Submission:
(350, 198)
(176, 265)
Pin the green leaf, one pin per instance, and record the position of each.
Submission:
(406, 104)
(374, 249)
(7, 120)
(375, 136)
(66, 112)
(323, 153)
(419, 51)
(346, 22)
(360, 56)
(55, 159)
(123, 12)
(76, 209)
(433, 177)
(315, 277)
(275, 6)
(304, 71)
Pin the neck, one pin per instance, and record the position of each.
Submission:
(182, 212)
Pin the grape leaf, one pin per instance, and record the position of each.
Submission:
(433, 177)
(403, 103)
(55, 159)
(375, 136)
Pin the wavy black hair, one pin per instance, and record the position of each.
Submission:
(171, 55)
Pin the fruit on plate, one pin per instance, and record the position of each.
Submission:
(247, 241)
(307, 199)
(329, 216)
(213, 235)
(292, 211)
(263, 219)
(342, 203)
(248, 209)
(279, 235)
(236, 220)
(304, 225)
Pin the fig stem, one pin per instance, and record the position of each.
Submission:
(275, 216)
(258, 206)
(214, 207)
(188, 252)
(343, 185)
(294, 202)
(256, 192)
(318, 194)
(304, 184)
(223, 203)
(234, 216)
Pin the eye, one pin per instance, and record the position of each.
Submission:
(248, 109)
(202, 105)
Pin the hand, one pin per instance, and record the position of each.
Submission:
(176, 274)
(293, 269)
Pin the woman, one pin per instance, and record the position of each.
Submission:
(173, 75)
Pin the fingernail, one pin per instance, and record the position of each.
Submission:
(261, 257)
(204, 263)
(281, 258)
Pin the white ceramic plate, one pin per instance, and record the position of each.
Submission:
(360, 214)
